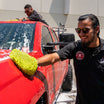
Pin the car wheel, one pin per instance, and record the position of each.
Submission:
(43, 99)
(67, 83)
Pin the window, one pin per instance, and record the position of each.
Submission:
(55, 37)
(14, 35)
(46, 38)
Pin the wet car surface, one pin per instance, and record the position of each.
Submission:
(32, 38)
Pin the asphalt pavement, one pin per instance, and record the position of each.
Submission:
(67, 97)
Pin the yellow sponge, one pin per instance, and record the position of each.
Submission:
(13, 20)
(25, 62)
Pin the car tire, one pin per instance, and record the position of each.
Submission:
(43, 99)
(67, 83)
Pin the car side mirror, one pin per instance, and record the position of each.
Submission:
(48, 48)
(64, 39)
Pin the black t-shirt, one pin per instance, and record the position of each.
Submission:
(36, 17)
(89, 70)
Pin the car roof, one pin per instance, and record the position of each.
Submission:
(23, 22)
(18, 21)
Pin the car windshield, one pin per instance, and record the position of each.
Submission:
(17, 35)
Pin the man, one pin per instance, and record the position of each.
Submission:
(32, 15)
(88, 56)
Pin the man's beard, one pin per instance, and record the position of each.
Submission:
(89, 42)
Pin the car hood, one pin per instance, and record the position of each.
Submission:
(4, 54)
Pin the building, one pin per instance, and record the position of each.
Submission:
(55, 12)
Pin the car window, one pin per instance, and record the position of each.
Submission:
(16, 35)
(46, 37)
(55, 37)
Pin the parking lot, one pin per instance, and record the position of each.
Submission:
(67, 97)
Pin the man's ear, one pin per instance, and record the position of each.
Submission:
(31, 9)
(97, 29)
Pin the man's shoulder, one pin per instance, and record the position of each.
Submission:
(74, 45)
(77, 43)
(35, 12)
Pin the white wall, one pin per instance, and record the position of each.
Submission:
(76, 7)
(54, 11)
(46, 6)
(18, 5)
(101, 7)
(83, 6)
(53, 6)
(87, 6)
(51, 10)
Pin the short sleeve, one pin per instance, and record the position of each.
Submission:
(67, 52)
(34, 16)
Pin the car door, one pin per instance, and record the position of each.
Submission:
(50, 70)
(59, 66)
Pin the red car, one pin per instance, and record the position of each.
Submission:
(37, 39)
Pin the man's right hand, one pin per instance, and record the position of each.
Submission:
(24, 62)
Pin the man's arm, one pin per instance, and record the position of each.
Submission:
(24, 19)
(48, 59)
(29, 64)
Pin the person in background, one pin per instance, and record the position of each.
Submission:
(32, 15)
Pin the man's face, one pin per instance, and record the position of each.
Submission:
(86, 33)
(28, 11)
